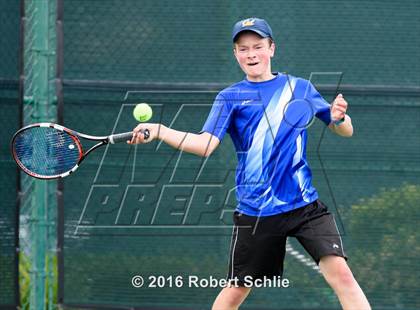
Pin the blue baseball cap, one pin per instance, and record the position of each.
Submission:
(257, 25)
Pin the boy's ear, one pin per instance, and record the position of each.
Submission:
(272, 48)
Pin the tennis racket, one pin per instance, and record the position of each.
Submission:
(51, 151)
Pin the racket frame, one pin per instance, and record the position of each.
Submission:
(74, 135)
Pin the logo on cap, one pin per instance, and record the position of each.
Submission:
(248, 22)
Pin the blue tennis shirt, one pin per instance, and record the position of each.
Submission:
(267, 122)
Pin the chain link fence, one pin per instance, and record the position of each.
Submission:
(123, 213)
(9, 118)
(176, 57)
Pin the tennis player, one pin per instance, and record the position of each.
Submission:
(267, 116)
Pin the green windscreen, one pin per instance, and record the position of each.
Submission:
(9, 118)
(150, 210)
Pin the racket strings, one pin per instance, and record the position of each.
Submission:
(47, 151)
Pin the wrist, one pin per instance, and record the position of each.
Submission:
(161, 132)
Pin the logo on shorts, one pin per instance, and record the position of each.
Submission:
(335, 246)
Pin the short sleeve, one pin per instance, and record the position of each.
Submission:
(322, 109)
(219, 118)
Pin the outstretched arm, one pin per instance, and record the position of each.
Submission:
(199, 144)
(338, 112)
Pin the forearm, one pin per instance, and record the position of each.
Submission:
(344, 129)
(198, 144)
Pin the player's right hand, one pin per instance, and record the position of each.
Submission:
(138, 133)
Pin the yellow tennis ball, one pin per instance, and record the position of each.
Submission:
(142, 112)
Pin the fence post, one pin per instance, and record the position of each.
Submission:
(39, 205)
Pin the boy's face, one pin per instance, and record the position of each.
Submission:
(253, 54)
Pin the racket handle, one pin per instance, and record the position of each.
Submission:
(122, 137)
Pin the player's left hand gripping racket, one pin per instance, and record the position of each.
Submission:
(50, 151)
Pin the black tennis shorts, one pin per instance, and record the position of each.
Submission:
(258, 244)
